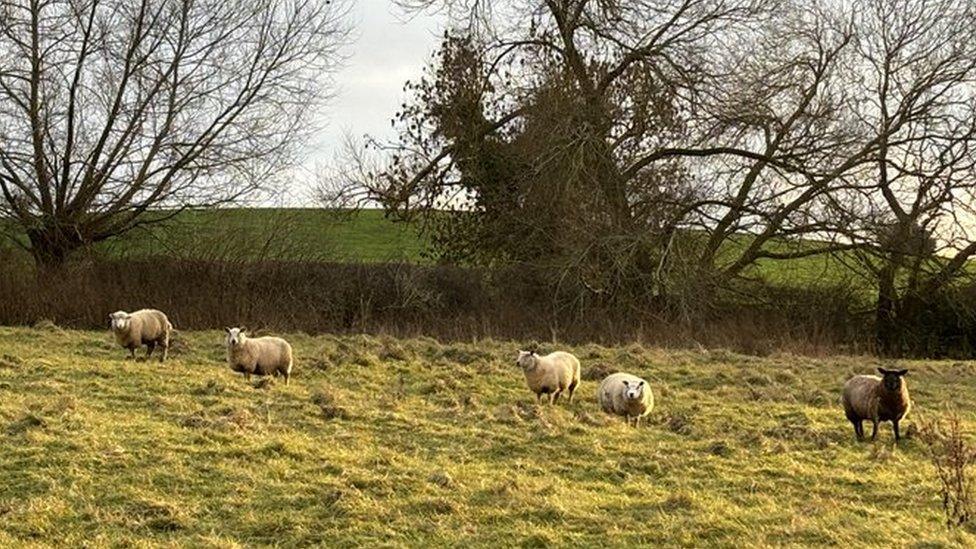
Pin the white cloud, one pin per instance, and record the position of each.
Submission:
(388, 49)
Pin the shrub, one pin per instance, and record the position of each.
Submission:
(401, 299)
(952, 456)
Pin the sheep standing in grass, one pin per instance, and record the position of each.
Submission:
(147, 327)
(625, 395)
(262, 356)
(551, 374)
(876, 399)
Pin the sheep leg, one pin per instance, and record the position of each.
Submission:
(150, 347)
(555, 396)
(538, 398)
(132, 353)
(874, 429)
(858, 429)
(165, 345)
(636, 422)
(894, 426)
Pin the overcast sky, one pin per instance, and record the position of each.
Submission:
(387, 49)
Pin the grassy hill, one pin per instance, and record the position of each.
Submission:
(338, 235)
(385, 442)
(271, 233)
(275, 233)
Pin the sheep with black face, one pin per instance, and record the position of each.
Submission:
(869, 397)
(261, 356)
(625, 395)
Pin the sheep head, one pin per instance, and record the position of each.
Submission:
(633, 391)
(891, 379)
(120, 320)
(236, 336)
(526, 359)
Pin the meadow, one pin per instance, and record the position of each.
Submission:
(274, 233)
(411, 442)
(269, 233)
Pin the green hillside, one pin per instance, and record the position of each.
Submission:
(275, 233)
(364, 235)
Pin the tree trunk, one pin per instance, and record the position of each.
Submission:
(51, 247)
(886, 323)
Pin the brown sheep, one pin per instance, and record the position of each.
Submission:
(876, 399)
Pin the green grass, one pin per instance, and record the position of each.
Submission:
(272, 233)
(386, 442)
(364, 235)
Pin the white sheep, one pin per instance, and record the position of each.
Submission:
(147, 327)
(260, 356)
(625, 395)
(551, 374)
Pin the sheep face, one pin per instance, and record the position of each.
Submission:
(891, 379)
(236, 336)
(633, 391)
(120, 320)
(526, 360)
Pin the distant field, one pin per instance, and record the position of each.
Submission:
(365, 235)
(387, 442)
(273, 233)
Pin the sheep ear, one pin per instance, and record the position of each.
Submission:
(227, 330)
(625, 383)
(641, 384)
(882, 371)
(902, 372)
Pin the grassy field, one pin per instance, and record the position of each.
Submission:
(273, 233)
(364, 235)
(385, 442)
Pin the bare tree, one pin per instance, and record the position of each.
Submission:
(771, 140)
(115, 113)
(911, 209)
(571, 116)
(764, 129)
(617, 57)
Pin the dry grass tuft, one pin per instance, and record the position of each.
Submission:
(328, 404)
(47, 325)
